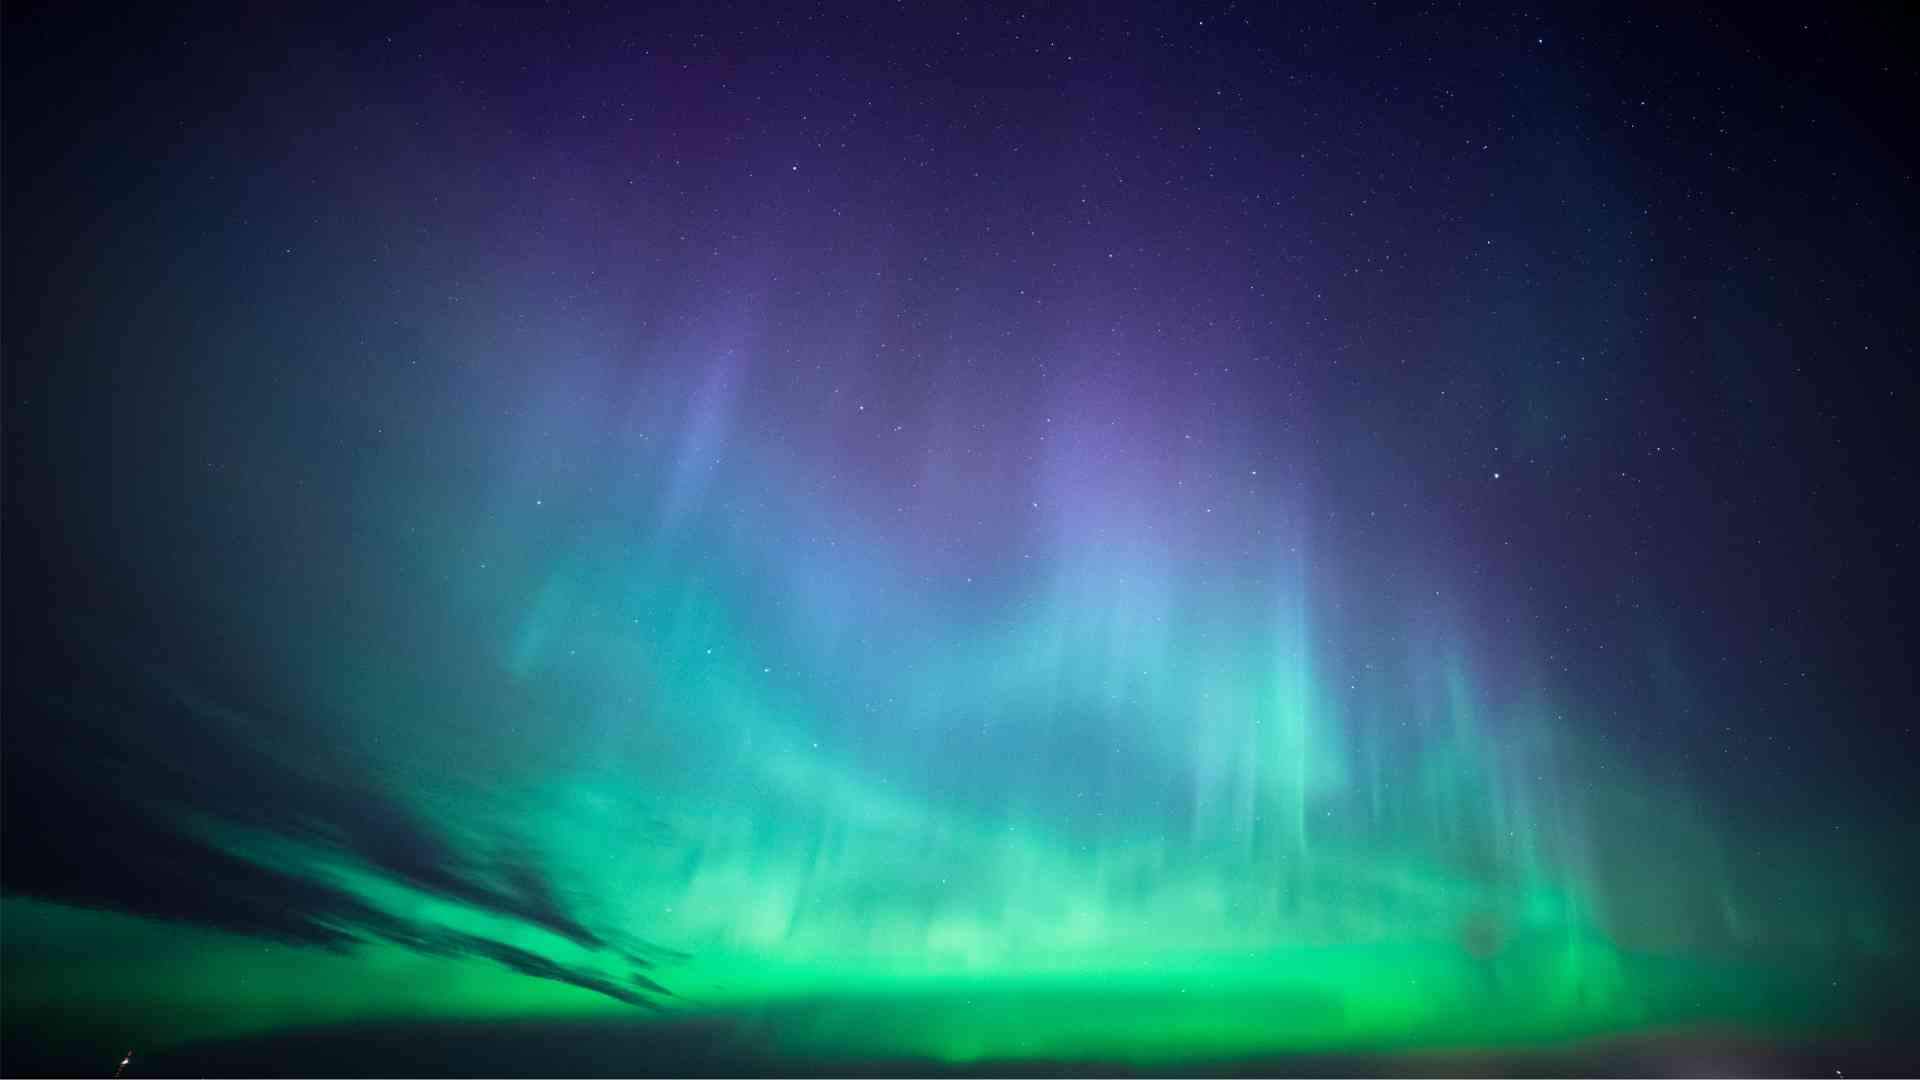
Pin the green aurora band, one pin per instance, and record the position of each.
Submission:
(1130, 812)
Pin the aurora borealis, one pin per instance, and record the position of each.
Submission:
(731, 540)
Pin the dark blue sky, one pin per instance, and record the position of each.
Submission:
(348, 353)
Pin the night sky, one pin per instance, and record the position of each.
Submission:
(934, 537)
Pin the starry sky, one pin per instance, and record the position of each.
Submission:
(771, 538)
